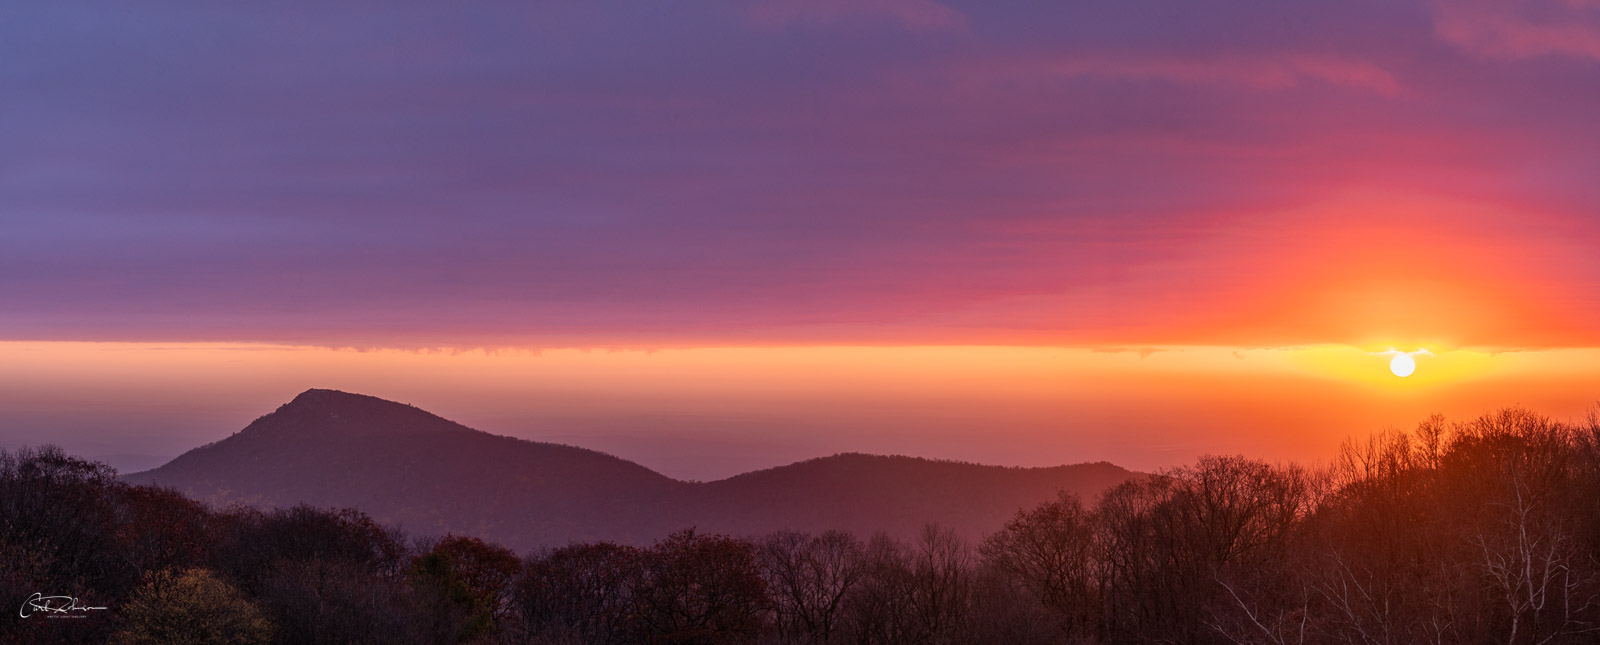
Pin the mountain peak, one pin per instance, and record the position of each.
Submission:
(337, 412)
(322, 396)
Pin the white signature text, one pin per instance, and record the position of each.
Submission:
(53, 606)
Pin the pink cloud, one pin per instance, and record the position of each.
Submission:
(1503, 29)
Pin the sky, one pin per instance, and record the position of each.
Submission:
(718, 236)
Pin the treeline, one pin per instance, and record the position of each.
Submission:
(1478, 532)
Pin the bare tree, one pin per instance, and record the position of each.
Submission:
(580, 593)
(809, 578)
(919, 593)
(1050, 551)
(699, 588)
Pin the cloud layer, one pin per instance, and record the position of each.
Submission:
(895, 171)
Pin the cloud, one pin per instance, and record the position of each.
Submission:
(585, 174)
(1395, 352)
(1263, 73)
(1143, 352)
(915, 15)
(1520, 30)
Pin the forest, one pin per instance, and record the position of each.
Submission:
(1483, 531)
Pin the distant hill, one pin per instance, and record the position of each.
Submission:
(868, 493)
(401, 464)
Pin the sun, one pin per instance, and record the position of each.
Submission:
(1402, 365)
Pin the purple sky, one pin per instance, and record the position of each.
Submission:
(769, 172)
(1268, 191)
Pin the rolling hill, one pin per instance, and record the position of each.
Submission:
(403, 465)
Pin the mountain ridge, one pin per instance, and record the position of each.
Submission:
(402, 464)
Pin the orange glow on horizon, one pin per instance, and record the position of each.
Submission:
(1372, 268)
(1145, 408)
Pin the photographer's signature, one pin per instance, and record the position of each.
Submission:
(53, 606)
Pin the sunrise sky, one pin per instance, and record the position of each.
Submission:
(718, 236)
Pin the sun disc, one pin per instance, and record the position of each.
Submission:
(1402, 365)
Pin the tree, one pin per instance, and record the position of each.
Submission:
(1477, 532)
(473, 574)
(249, 544)
(159, 528)
(580, 593)
(918, 593)
(1181, 545)
(700, 588)
(313, 602)
(193, 606)
(809, 578)
(1050, 551)
(466, 583)
(1523, 469)
(58, 531)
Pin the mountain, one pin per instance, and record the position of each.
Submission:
(868, 493)
(403, 465)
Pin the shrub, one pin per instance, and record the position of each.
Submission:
(193, 606)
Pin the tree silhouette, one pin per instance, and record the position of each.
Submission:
(1479, 532)
(699, 588)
